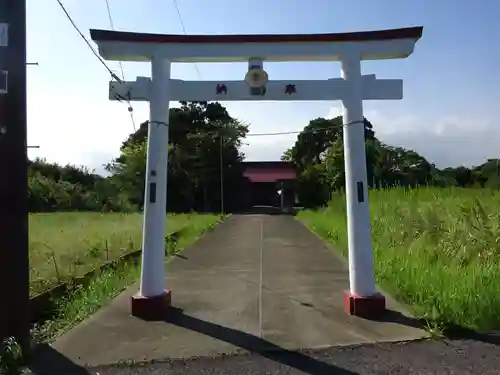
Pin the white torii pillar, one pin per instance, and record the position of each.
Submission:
(362, 298)
(352, 88)
(153, 298)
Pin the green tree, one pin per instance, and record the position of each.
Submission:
(321, 137)
(334, 165)
(287, 155)
(52, 187)
(313, 141)
(201, 137)
(129, 170)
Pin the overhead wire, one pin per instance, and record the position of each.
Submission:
(121, 80)
(176, 4)
(183, 26)
(120, 63)
(99, 58)
(303, 131)
(217, 132)
(68, 16)
(111, 23)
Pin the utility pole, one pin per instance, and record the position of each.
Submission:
(14, 247)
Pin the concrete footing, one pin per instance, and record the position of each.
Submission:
(151, 308)
(370, 306)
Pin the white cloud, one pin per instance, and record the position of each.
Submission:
(379, 119)
(451, 145)
(445, 141)
(271, 117)
(78, 130)
(267, 148)
(335, 111)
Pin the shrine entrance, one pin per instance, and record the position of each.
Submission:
(268, 183)
(351, 89)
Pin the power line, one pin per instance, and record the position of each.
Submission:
(217, 132)
(113, 75)
(111, 23)
(180, 17)
(284, 133)
(313, 131)
(184, 31)
(120, 63)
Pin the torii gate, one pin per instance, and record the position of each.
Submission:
(352, 88)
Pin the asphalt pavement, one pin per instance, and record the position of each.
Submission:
(459, 357)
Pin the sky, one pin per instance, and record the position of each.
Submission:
(450, 83)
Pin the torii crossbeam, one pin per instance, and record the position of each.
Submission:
(352, 88)
(332, 89)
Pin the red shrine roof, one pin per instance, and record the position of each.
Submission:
(360, 36)
(269, 171)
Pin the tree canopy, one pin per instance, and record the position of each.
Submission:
(318, 155)
(202, 136)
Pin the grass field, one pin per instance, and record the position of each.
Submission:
(65, 245)
(436, 250)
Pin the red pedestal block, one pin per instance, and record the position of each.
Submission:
(151, 308)
(367, 307)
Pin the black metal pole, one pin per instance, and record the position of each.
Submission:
(14, 248)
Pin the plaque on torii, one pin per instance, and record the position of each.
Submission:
(351, 88)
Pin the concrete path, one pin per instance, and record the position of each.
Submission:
(256, 283)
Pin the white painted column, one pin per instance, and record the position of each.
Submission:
(282, 202)
(153, 237)
(282, 197)
(361, 270)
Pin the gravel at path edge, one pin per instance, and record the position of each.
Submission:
(458, 357)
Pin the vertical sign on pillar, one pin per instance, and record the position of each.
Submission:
(4, 82)
(4, 34)
(152, 188)
(4, 42)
